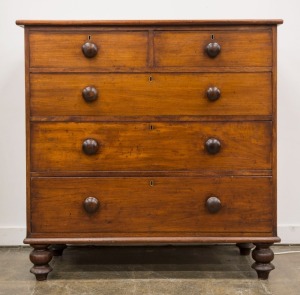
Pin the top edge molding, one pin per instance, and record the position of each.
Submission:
(220, 22)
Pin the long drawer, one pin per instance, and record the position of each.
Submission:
(237, 49)
(151, 146)
(139, 206)
(64, 49)
(150, 94)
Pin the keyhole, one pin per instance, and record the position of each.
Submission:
(212, 37)
(150, 78)
(89, 37)
(151, 127)
(151, 183)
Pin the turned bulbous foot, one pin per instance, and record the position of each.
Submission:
(263, 256)
(245, 248)
(40, 257)
(57, 250)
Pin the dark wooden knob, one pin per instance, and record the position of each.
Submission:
(89, 49)
(213, 204)
(213, 49)
(91, 205)
(213, 93)
(90, 146)
(90, 94)
(212, 146)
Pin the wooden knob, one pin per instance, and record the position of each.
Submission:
(213, 204)
(90, 94)
(212, 146)
(89, 49)
(91, 205)
(213, 49)
(90, 146)
(213, 93)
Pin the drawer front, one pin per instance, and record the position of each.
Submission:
(188, 49)
(165, 94)
(150, 146)
(64, 50)
(132, 206)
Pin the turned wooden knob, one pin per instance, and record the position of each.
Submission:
(213, 93)
(90, 146)
(213, 49)
(89, 49)
(213, 204)
(91, 205)
(90, 94)
(212, 146)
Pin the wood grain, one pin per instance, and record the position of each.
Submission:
(237, 49)
(28, 127)
(131, 205)
(274, 131)
(167, 94)
(150, 146)
(147, 118)
(180, 69)
(126, 49)
(198, 173)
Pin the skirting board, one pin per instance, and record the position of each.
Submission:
(14, 236)
(289, 233)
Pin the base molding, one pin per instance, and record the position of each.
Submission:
(14, 236)
(150, 240)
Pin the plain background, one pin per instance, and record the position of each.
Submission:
(12, 105)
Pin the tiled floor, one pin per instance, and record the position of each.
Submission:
(205, 269)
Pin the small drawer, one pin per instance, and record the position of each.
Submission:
(65, 50)
(133, 206)
(157, 146)
(213, 48)
(154, 94)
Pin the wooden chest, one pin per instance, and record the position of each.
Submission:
(142, 132)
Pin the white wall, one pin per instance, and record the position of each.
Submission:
(12, 128)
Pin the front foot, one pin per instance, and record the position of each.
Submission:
(263, 256)
(40, 257)
(245, 248)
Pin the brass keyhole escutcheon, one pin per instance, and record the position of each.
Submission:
(151, 183)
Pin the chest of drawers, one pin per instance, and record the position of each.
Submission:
(143, 132)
